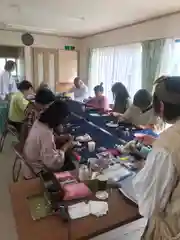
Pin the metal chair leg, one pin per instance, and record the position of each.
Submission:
(2, 140)
(15, 175)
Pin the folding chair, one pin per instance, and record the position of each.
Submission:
(19, 159)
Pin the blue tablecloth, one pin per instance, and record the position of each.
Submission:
(100, 121)
(79, 127)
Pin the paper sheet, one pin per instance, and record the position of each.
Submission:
(115, 172)
(79, 210)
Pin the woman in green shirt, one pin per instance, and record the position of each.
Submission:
(19, 103)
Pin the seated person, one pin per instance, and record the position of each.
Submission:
(99, 101)
(121, 98)
(18, 104)
(44, 97)
(40, 149)
(43, 85)
(80, 90)
(141, 111)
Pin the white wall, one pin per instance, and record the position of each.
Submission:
(13, 38)
(165, 27)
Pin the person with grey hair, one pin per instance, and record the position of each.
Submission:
(7, 83)
(79, 89)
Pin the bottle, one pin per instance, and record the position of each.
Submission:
(83, 173)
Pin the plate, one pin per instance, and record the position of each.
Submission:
(102, 195)
(94, 114)
(113, 125)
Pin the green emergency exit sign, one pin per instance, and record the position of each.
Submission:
(69, 48)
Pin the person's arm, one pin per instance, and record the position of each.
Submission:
(128, 115)
(154, 183)
(62, 139)
(52, 157)
(131, 114)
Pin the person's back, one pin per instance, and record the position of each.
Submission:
(99, 101)
(169, 140)
(157, 185)
(7, 83)
(34, 151)
(141, 111)
(40, 149)
(121, 98)
(17, 106)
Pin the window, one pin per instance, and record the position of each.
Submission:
(170, 61)
(116, 64)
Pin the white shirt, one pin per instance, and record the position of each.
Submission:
(154, 183)
(80, 93)
(7, 84)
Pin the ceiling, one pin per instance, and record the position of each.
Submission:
(79, 18)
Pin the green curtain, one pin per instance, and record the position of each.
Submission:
(3, 115)
(151, 59)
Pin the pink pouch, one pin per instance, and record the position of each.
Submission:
(61, 176)
(76, 191)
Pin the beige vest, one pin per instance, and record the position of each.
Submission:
(134, 115)
(166, 225)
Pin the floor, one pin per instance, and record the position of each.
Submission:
(7, 224)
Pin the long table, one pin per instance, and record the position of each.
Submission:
(102, 138)
(121, 212)
(101, 119)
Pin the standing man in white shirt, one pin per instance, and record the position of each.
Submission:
(80, 90)
(7, 83)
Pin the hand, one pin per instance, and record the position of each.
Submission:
(139, 164)
(67, 146)
(115, 114)
(64, 138)
(70, 144)
(68, 137)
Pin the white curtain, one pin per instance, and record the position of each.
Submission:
(116, 64)
(168, 59)
(170, 62)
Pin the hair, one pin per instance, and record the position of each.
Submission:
(99, 88)
(121, 95)
(142, 99)
(171, 111)
(77, 79)
(24, 85)
(55, 114)
(9, 65)
(43, 85)
(44, 96)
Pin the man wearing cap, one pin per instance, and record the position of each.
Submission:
(157, 185)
